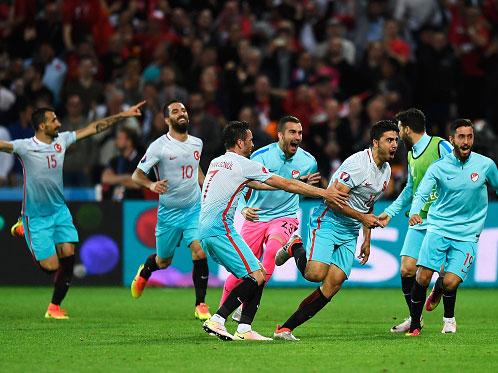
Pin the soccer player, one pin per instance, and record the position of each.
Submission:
(333, 233)
(271, 216)
(226, 177)
(47, 222)
(175, 159)
(423, 150)
(454, 221)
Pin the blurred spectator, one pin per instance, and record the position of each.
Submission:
(81, 156)
(6, 159)
(85, 86)
(116, 178)
(170, 90)
(34, 89)
(259, 137)
(206, 127)
(55, 70)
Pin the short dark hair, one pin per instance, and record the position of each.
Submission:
(166, 107)
(38, 116)
(460, 122)
(286, 119)
(233, 131)
(382, 126)
(413, 118)
(131, 134)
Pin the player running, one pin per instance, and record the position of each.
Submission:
(333, 231)
(175, 160)
(271, 216)
(454, 221)
(48, 226)
(225, 179)
(423, 150)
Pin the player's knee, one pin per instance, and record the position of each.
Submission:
(259, 276)
(49, 268)
(163, 263)
(424, 277)
(330, 289)
(198, 254)
(408, 270)
(451, 283)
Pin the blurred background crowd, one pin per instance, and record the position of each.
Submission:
(339, 66)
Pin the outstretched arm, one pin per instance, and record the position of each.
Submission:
(104, 123)
(6, 147)
(369, 220)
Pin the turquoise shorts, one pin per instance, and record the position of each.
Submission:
(231, 252)
(457, 256)
(42, 233)
(413, 242)
(171, 230)
(332, 243)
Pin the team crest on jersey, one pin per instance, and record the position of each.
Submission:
(197, 155)
(474, 176)
(344, 176)
(143, 159)
(295, 174)
(58, 147)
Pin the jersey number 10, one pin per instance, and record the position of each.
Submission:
(187, 172)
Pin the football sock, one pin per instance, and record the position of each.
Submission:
(272, 246)
(150, 266)
(438, 286)
(200, 276)
(241, 294)
(406, 286)
(243, 328)
(230, 283)
(299, 255)
(62, 279)
(251, 307)
(307, 309)
(449, 300)
(418, 300)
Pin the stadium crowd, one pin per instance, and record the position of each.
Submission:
(339, 66)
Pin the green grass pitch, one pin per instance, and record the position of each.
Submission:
(110, 331)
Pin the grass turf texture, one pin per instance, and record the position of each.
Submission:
(110, 331)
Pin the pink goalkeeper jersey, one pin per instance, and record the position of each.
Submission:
(226, 177)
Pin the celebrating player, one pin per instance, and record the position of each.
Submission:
(329, 254)
(48, 225)
(454, 221)
(271, 216)
(225, 179)
(424, 150)
(175, 159)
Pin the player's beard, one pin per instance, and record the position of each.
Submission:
(180, 127)
(459, 152)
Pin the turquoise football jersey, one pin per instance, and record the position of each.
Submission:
(42, 167)
(278, 204)
(460, 210)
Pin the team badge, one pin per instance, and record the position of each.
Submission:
(474, 176)
(344, 176)
(143, 159)
(197, 155)
(58, 147)
(295, 174)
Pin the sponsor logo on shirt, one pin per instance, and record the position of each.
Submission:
(172, 157)
(344, 176)
(474, 176)
(58, 147)
(197, 155)
(295, 174)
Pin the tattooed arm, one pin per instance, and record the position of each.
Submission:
(105, 123)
